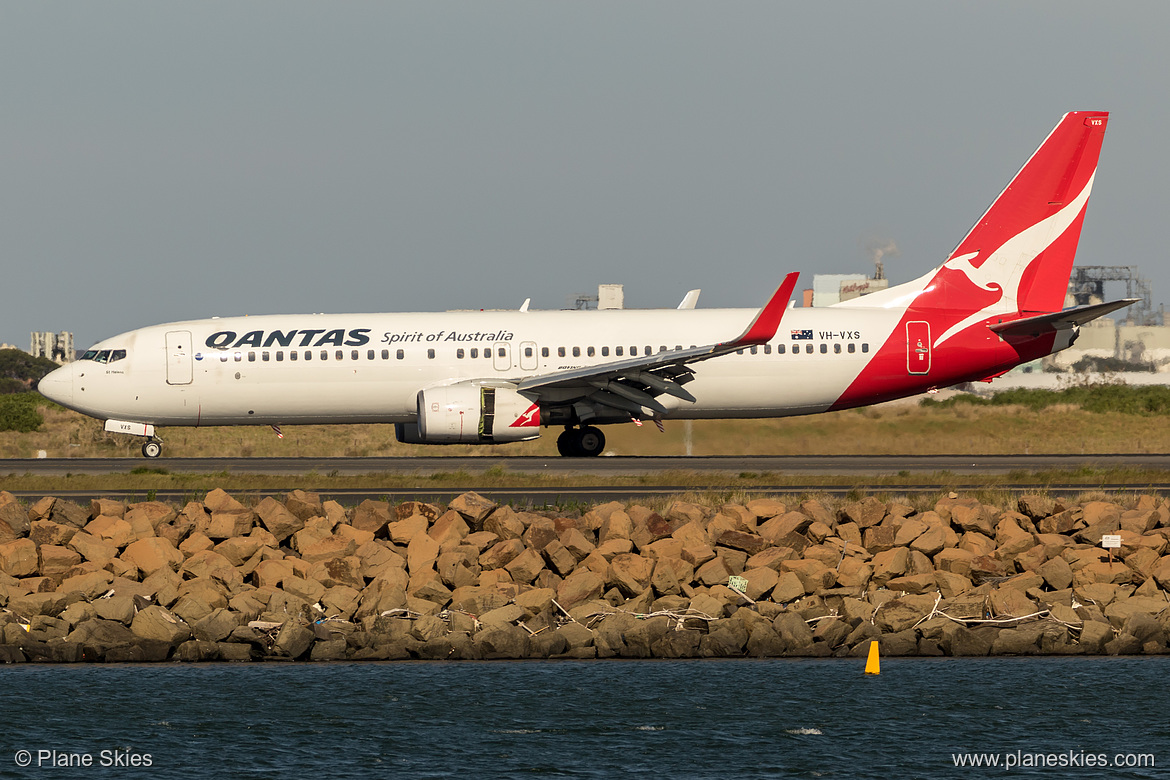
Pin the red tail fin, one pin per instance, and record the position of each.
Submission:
(1018, 257)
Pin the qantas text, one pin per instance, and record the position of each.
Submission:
(312, 337)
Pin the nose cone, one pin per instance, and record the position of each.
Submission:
(58, 385)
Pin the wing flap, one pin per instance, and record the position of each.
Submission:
(668, 365)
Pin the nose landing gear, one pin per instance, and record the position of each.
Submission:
(585, 442)
(152, 448)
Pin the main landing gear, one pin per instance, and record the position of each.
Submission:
(586, 442)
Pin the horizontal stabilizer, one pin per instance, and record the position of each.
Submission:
(1060, 320)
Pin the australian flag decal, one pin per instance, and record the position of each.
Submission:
(800, 335)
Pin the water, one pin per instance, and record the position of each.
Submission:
(589, 719)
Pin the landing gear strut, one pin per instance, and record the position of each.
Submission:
(582, 442)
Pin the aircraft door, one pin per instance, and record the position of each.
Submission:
(179, 365)
(528, 360)
(918, 348)
(502, 356)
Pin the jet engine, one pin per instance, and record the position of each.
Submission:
(467, 414)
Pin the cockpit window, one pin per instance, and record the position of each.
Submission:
(105, 355)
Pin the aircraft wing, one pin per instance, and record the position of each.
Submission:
(631, 384)
(1061, 320)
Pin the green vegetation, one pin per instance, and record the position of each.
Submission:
(19, 412)
(1098, 398)
(20, 371)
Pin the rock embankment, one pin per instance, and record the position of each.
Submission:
(312, 580)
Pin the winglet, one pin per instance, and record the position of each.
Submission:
(764, 326)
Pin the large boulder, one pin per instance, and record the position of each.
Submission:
(278, 519)
(293, 640)
(157, 623)
(18, 558)
(14, 522)
(474, 507)
(151, 554)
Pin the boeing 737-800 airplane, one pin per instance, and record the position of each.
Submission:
(492, 377)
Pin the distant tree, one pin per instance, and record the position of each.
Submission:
(22, 369)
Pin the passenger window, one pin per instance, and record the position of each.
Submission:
(223, 358)
(528, 352)
(662, 348)
(353, 355)
(459, 354)
(308, 355)
(370, 354)
(279, 356)
(589, 352)
(865, 347)
(739, 352)
(501, 352)
(385, 354)
(808, 348)
(264, 356)
(401, 354)
(251, 357)
(780, 349)
(560, 351)
(767, 349)
(617, 351)
(852, 347)
(576, 352)
(649, 350)
(837, 349)
(239, 356)
(605, 351)
(293, 355)
(824, 349)
(544, 351)
(474, 352)
(755, 350)
(430, 354)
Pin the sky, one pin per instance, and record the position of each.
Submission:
(171, 161)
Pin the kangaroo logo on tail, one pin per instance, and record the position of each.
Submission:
(1005, 268)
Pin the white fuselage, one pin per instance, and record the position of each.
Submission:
(369, 368)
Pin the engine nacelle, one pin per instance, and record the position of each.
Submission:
(465, 414)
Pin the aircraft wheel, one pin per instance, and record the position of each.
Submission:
(152, 449)
(568, 444)
(590, 441)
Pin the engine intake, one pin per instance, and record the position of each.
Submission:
(466, 414)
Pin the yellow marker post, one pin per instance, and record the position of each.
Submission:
(872, 664)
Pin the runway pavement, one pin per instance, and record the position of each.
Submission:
(810, 465)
